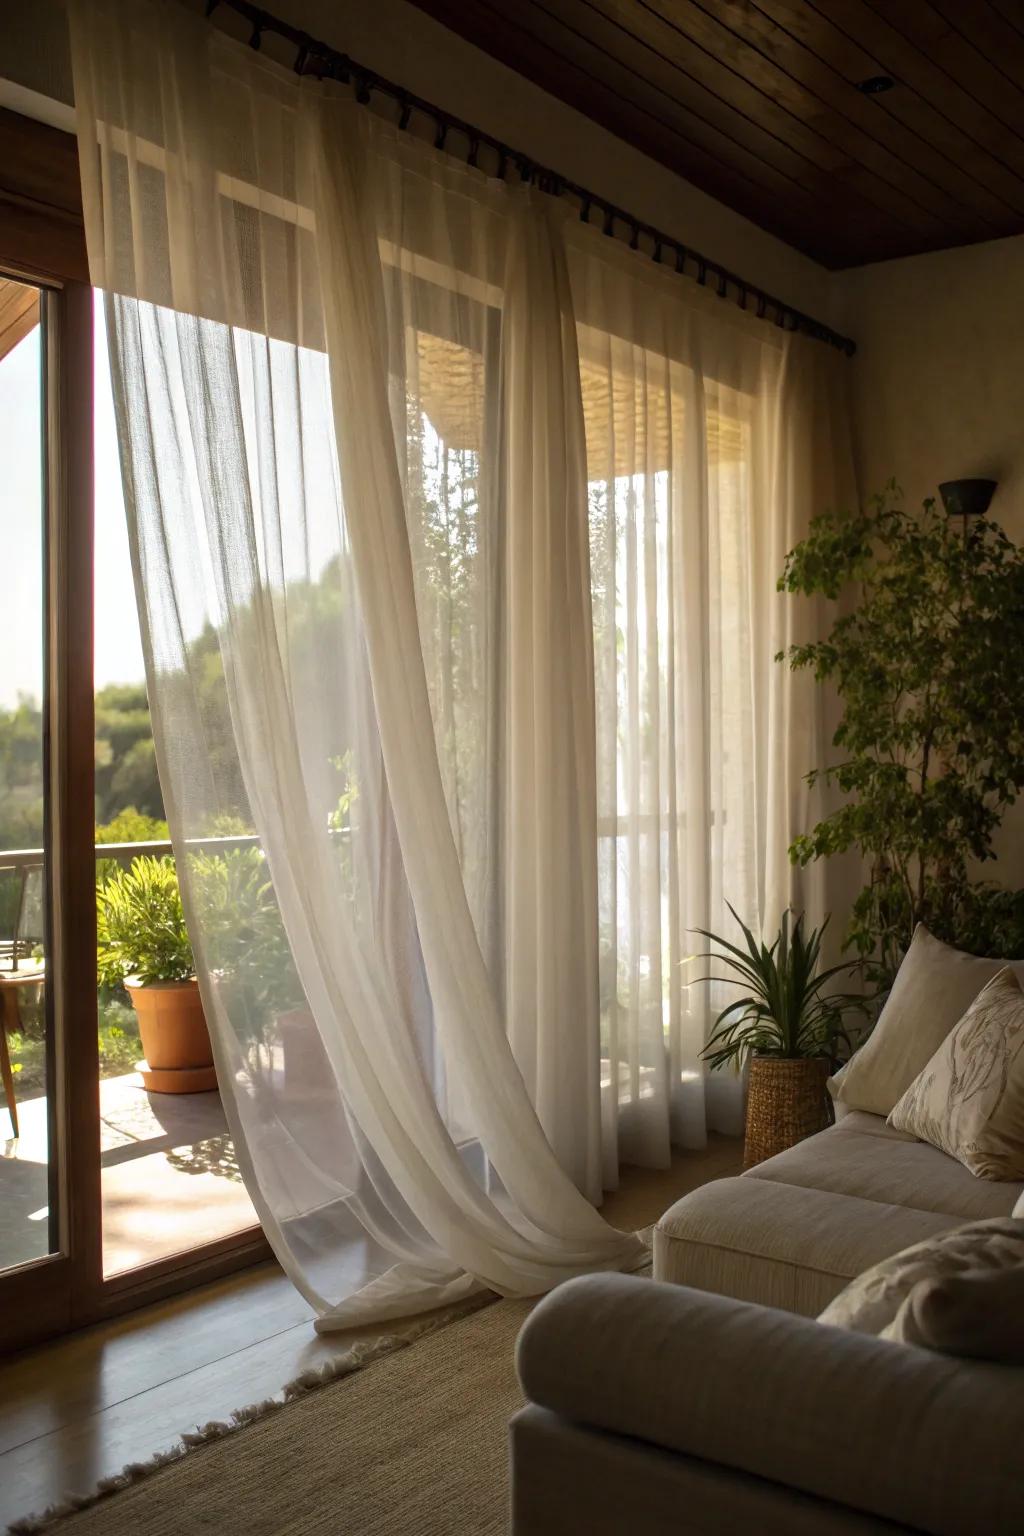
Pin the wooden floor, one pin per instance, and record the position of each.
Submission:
(76, 1411)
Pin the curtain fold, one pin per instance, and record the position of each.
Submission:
(551, 962)
(712, 439)
(290, 586)
(455, 533)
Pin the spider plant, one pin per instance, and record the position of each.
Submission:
(786, 1011)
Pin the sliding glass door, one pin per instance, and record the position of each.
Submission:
(30, 1227)
(111, 1194)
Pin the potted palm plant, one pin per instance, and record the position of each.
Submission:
(143, 944)
(790, 1029)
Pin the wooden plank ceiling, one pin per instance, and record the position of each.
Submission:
(762, 104)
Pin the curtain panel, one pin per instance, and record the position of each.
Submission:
(455, 534)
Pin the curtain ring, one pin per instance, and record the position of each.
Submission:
(300, 60)
(702, 271)
(362, 90)
(405, 114)
(585, 211)
(442, 133)
(474, 150)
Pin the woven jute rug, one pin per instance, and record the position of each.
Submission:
(415, 1443)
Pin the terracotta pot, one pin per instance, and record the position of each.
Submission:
(306, 1066)
(786, 1101)
(179, 1057)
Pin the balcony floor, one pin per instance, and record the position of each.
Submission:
(170, 1178)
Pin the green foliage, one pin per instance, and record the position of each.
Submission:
(141, 931)
(125, 758)
(243, 937)
(128, 826)
(786, 1011)
(117, 1039)
(927, 663)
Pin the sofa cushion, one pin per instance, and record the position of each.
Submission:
(782, 1245)
(969, 1100)
(934, 987)
(863, 1157)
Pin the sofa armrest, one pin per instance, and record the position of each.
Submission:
(895, 1431)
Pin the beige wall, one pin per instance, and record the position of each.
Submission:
(938, 390)
(938, 380)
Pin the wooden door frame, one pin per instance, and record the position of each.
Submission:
(42, 241)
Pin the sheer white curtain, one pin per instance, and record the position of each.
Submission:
(337, 643)
(712, 438)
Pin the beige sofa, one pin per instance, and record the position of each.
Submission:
(664, 1410)
(794, 1231)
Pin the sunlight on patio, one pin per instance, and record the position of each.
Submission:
(170, 1177)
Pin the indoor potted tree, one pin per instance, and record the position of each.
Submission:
(143, 943)
(791, 1031)
(924, 652)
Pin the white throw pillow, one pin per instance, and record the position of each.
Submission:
(871, 1302)
(934, 987)
(969, 1100)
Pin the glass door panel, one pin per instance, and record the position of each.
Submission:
(29, 1227)
(169, 1172)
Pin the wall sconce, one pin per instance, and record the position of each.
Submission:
(967, 498)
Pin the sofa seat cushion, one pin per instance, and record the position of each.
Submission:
(863, 1157)
(783, 1245)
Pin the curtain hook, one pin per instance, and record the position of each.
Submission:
(405, 114)
(702, 271)
(474, 149)
(585, 210)
(300, 59)
(442, 133)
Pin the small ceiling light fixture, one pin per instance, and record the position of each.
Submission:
(967, 498)
(874, 85)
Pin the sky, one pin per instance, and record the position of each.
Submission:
(118, 650)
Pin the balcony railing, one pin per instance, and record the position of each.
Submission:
(24, 862)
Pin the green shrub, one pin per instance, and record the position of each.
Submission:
(140, 923)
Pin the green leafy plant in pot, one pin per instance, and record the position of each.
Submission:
(143, 944)
(923, 650)
(791, 1030)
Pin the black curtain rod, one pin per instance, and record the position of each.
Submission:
(319, 59)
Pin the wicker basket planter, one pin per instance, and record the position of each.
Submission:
(786, 1101)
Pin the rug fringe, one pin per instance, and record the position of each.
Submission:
(362, 1353)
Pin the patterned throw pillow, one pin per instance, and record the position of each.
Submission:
(872, 1302)
(978, 1314)
(969, 1099)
